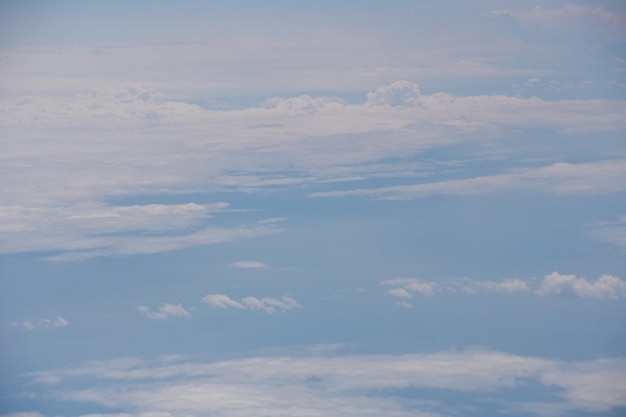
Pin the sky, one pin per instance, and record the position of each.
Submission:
(312, 209)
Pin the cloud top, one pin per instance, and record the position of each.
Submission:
(165, 311)
(397, 94)
(267, 304)
(606, 287)
(42, 324)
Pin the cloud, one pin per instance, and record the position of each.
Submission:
(90, 247)
(42, 324)
(23, 414)
(613, 232)
(322, 386)
(268, 304)
(302, 105)
(399, 93)
(562, 178)
(400, 292)
(221, 301)
(605, 287)
(124, 141)
(164, 312)
(570, 16)
(249, 265)
(411, 286)
(85, 231)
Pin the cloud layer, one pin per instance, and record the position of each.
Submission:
(132, 141)
(322, 386)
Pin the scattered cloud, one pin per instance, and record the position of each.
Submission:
(605, 287)
(165, 311)
(249, 265)
(322, 386)
(267, 304)
(42, 324)
(410, 286)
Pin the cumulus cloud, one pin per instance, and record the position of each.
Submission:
(165, 311)
(320, 386)
(267, 304)
(605, 287)
(399, 93)
(42, 324)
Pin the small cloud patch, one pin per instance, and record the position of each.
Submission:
(267, 304)
(164, 312)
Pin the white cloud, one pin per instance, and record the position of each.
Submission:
(221, 301)
(267, 304)
(605, 287)
(400, 292)
(571, 15)
(126, 141)
(613, 232)
(165, 311)
(507, 286)
(561, 179)
(322, 386)
(84, 231)
(399, 93)
(249, 265)
(42, 324)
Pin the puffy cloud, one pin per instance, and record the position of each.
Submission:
(605, 287)
(320, 386)
(221, 301)
(267, 304)
(165, 311)
(399, 93)
(42, 324)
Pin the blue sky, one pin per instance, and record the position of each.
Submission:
(267, 208)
